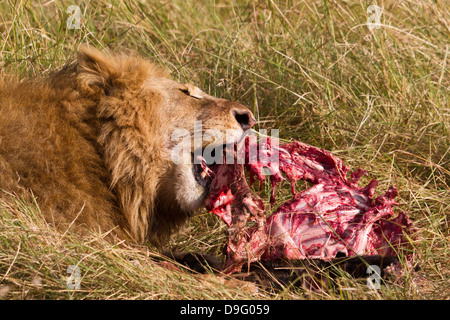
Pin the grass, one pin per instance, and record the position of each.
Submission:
(312, 69)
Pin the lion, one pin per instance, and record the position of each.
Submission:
(92, 143)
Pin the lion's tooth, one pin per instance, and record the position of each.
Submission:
(203, 174)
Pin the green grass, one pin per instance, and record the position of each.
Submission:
(312, 69)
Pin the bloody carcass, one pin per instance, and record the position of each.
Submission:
(333, 217)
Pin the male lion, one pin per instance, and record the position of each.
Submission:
(92, 142)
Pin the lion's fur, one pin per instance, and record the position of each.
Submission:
(90, 142)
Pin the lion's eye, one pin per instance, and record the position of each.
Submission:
(186, 92)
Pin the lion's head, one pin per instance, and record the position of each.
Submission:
(155, 133)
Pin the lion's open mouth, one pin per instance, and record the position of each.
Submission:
(204, 168)
(203, 173)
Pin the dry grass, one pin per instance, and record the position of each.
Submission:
(312, 69)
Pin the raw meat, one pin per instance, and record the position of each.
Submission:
(247, 234)
(334, 217)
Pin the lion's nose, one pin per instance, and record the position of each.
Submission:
(244, 118)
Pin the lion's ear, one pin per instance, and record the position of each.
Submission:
(110, 72)
(96, 69)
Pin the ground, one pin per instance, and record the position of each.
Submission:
(376, 97)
